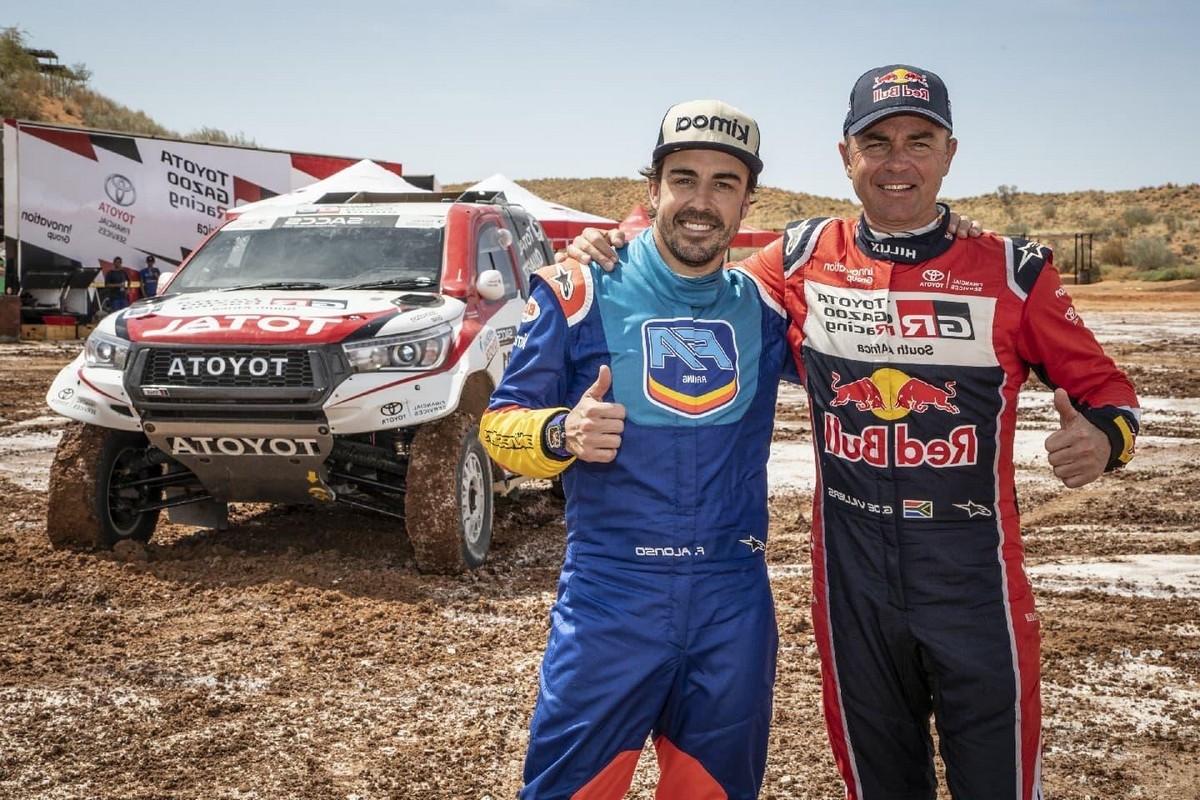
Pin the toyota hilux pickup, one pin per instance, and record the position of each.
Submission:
(339, 352)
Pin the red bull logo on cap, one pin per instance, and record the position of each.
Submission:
(903, 83)
(901, 75)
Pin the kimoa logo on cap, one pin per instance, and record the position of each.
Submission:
(732, 128)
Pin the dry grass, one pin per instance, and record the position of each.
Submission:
(1169, 212)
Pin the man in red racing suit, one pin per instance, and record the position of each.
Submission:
(913, 347)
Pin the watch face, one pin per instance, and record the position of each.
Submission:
(556, 436)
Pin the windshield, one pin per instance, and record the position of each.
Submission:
(316, 252)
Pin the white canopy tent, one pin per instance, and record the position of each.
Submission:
(363, 176)
(561, 223)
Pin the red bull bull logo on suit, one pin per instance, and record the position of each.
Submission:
(892, 394)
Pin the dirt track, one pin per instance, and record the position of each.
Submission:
(300, 655)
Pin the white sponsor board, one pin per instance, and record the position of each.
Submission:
(76, 198)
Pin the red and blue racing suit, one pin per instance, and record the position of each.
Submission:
(664, 624)
(912, 351)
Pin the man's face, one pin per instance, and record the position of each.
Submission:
(897, 166)
(700, 201)
(117, 263)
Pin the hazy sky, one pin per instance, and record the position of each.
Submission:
(1055, 95)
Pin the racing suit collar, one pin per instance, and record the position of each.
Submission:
(905, 248)
(696, 292)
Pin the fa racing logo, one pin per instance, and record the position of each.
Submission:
(690, 365)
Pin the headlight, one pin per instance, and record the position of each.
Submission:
(102, 350)
(423, 350)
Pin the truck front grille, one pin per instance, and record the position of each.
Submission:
(228, 369)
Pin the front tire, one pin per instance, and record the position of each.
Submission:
(448, 503)
(97, 493)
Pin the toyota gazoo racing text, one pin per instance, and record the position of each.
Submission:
(311, 354)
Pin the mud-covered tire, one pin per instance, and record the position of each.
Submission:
(87, 506)
(448, 503)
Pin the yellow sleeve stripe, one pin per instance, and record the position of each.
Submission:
(513, 438)
(1127, 439)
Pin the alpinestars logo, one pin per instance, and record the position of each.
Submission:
(755, 545)
(566, 286)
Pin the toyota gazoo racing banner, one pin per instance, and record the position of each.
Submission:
(80, 197)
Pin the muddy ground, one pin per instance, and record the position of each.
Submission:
(299, 654)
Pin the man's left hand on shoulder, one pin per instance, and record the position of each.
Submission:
(964, 227)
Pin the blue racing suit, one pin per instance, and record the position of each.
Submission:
(664, 624)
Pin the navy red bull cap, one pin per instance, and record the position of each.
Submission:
(896, 89)
(709, 125)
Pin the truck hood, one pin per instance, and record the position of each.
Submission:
(280, 317)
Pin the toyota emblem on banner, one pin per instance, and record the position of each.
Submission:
(120, 189)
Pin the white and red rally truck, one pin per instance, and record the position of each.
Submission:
(336, 352)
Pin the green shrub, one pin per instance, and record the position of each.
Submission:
(1170, 274)
(1138, 215)
(1113, 252)
(1150, 252)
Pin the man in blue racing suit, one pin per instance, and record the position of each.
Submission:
(653, 392)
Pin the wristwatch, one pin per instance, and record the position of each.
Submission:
(554, 436)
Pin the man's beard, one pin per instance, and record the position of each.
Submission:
(691, 253)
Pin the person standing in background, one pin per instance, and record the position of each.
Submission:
(149, 275)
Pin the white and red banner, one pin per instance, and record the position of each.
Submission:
(76, 198)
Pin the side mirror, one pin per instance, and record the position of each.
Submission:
(490, 284)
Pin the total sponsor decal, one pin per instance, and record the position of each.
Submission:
(891, 394)
(690, 365)
(236, 446)
(160, 324)
(900, 83)
(229, 323)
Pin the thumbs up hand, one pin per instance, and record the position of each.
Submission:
(1078, 451)
(594, 427)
